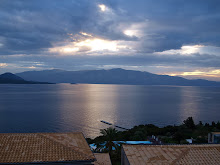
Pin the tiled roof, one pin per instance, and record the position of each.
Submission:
(44, 147)
(173, 154)
(102, 159)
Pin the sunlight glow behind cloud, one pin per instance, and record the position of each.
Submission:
(210, 73)
(187, 50)
(86, 34)
(102, 7)
(192, 49)
(70, 49)
(88, 45)
(129, 32)
(98, 44)
(2, 65)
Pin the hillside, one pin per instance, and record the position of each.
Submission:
(112, 76)
(9, 78)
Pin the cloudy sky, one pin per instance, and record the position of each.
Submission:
(174, 37)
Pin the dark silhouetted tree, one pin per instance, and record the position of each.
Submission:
(189, 123)
(218, 125)
(207, 125)
(109, 134)
(213, 124)
(178, 136)
(200, 123)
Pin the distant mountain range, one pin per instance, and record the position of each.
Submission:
(112, 76)
(9, 78)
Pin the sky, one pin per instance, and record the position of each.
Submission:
(171, 37)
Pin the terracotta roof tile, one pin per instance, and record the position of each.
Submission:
(102, 159)
(44, 147)
(173, 154)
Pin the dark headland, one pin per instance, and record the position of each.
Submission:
(9, 78)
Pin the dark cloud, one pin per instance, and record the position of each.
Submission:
(82, 61)
(31, 28)
(179, 22)
(27, 25)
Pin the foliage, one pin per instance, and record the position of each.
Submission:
(104, 143)
(189, 123)
(109, 134)
(168, 134)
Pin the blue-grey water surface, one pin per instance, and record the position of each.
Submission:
(81, 107)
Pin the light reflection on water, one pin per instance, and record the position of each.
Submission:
(189, 106)
(81, 107)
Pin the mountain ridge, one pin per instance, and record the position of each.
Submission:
(112, 76)
(10, 78)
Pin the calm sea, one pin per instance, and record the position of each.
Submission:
(81, 107)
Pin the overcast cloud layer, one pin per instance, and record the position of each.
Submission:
(160, 36)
